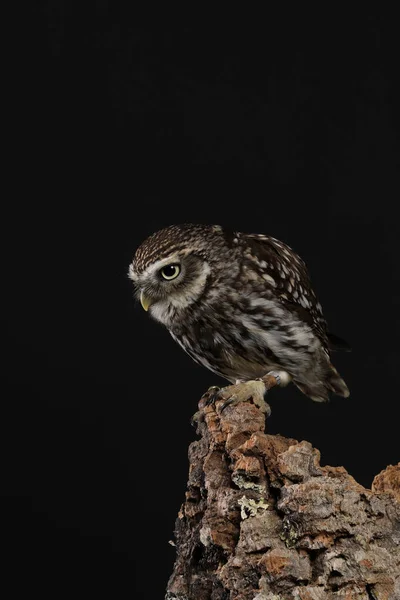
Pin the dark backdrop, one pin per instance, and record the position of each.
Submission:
(284, 126)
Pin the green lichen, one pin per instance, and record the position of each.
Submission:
(245, 484)
(290, 532)
(250, 507)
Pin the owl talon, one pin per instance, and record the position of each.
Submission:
(211, 395)
(232, 401)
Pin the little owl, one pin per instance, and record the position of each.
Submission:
(242, 305)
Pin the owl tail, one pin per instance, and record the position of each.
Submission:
(336, 384)
(331, 382)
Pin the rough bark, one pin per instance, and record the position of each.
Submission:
(262, 520)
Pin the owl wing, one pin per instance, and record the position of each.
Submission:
(291, 280)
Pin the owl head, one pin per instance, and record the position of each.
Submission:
(173, 267)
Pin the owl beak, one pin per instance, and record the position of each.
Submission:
(145, 301)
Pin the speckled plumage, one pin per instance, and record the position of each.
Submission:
(242, 305)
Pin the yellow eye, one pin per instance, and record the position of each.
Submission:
(170, 272)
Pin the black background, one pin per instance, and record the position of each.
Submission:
(279, 124)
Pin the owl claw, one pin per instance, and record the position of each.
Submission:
(211, 395)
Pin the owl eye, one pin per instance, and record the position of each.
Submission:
(170, 272)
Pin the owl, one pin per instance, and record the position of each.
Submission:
(241, 305)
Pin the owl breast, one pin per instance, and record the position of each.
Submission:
(245, 337)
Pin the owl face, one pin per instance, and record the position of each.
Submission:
(169, 274)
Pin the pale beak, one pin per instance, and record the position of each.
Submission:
(145, 301)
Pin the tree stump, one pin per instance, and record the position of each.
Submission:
(262, 520)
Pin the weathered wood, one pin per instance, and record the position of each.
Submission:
(262, 520)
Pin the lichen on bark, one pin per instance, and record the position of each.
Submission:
(262, 520)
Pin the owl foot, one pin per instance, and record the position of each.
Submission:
(254, 389)
(241, 392)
